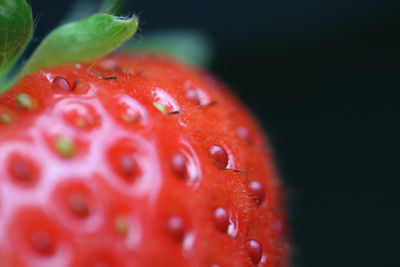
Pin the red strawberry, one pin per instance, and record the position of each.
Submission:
(135, 160)
(97, 173)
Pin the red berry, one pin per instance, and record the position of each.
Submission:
(96, 174)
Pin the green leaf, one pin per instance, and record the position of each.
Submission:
(188, 46)
(81, 41)
(15, 32)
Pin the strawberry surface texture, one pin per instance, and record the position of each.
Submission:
(135, 160)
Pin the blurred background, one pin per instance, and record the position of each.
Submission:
(322, 77)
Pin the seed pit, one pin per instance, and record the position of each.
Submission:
(78, 204)
(42, 243)
(80, 115)
(75, 206)
(127, 110)
(32, 231)
(127, 166)
(23, 170)
(165, 103)
(124, 160)
(130, 116)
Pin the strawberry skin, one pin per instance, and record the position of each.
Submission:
(135, 161)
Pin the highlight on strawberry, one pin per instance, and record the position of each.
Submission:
(127, 157)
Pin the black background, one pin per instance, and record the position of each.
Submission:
(322, 77)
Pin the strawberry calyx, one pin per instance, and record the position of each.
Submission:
(79, 41)
(16, 27)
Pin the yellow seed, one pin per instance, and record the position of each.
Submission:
(5, 118)
(160, 107)
(121, 224)
(24, 101)
(65, 146)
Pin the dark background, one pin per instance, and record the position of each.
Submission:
(322, 77)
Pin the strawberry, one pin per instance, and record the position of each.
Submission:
(135, 160)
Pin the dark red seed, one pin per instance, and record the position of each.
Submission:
(22, 169)
(221, 219)
(179, 165)
(255, 251)
(127, 166)
(176, 227)
(256, 191)
(78, 205)
(193, 96)
(42, 243)
(218, 156)
(60, 83)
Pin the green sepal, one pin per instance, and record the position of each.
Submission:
(188, 46)
(16, 28)
(81, 41)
